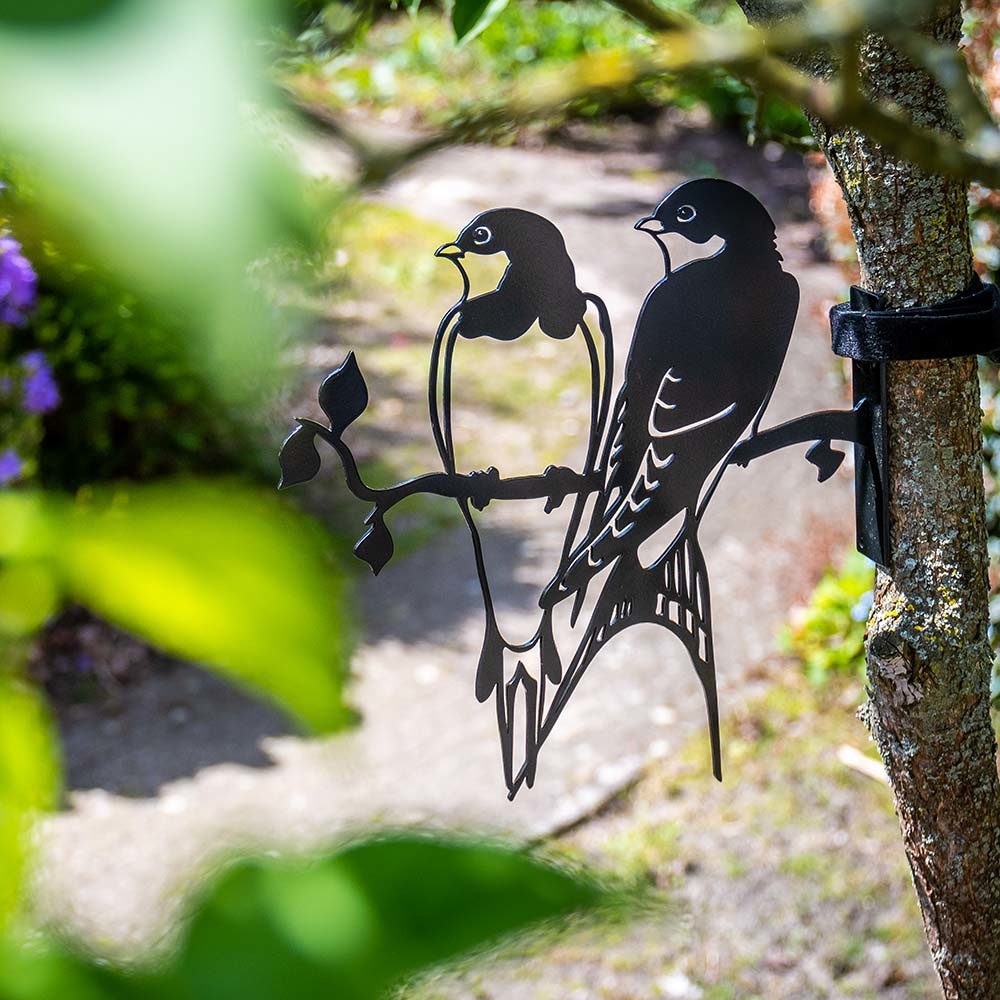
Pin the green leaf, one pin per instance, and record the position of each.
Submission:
(53, 13)
(352, 925)
(45, 970)
(25, 527)
(349, 926)
(29, 595)
(470, 17)
(214, 572)
(29, 779)
(221, 574)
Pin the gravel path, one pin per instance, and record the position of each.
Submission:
(189, 767)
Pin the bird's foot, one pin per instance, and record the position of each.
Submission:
(741, 455)
(482, 487)
(560, 482)
(826, 459)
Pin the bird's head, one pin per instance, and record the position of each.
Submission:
(512, 231)
(702, 209)
(539, 278)
(481, 236)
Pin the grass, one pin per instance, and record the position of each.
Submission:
(787, 881)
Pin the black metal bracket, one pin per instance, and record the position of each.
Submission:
(865, 330)
(871, 463)
(708, 346)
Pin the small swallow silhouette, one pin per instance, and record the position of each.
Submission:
(538, 284)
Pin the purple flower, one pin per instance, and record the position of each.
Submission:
(18, 283)
(41, 394)
(10, 466)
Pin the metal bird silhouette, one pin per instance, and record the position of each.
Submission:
(707, 349)
(537, 286)
(687, 397)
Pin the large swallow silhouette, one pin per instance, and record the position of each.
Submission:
(690, 391)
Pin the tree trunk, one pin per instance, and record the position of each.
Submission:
(927, 650)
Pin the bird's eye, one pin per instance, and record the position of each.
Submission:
(686, 213)
(481, 235)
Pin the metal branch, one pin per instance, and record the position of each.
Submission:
(479, 488)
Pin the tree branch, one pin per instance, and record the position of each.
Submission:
(683, 45)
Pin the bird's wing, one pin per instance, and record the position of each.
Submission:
(638, 496)
(649, 426)
(682, 404)
(506, 313)
(647, 440)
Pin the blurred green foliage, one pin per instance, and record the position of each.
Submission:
(411, 68)
(148, 144)
(827, 636)
(147, 183)
(348, 926)
(135, 403)
(29, 772)
(214, 572)
(54, 13)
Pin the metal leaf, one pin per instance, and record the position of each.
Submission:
(489, 672)
(298, 457)
(375, 546)
(344, 395)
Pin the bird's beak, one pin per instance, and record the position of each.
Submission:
(450, 250)
(651, 224)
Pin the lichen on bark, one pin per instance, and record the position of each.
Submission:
(927, 650)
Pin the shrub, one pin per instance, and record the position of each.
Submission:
(132, 401)
(827, 635)
(411, 67)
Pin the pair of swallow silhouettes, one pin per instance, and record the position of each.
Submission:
(708, 346)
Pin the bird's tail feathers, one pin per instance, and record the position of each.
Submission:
(680, 603)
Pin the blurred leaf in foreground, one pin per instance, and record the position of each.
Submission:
(350, 926)
(353, 925)
(470, 17)
(29, 779)
(145, 128)
(214, 572)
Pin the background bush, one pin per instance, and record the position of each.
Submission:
(408, 63)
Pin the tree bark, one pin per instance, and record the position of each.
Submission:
(927, 651)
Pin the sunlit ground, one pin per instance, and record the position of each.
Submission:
(787, 881)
